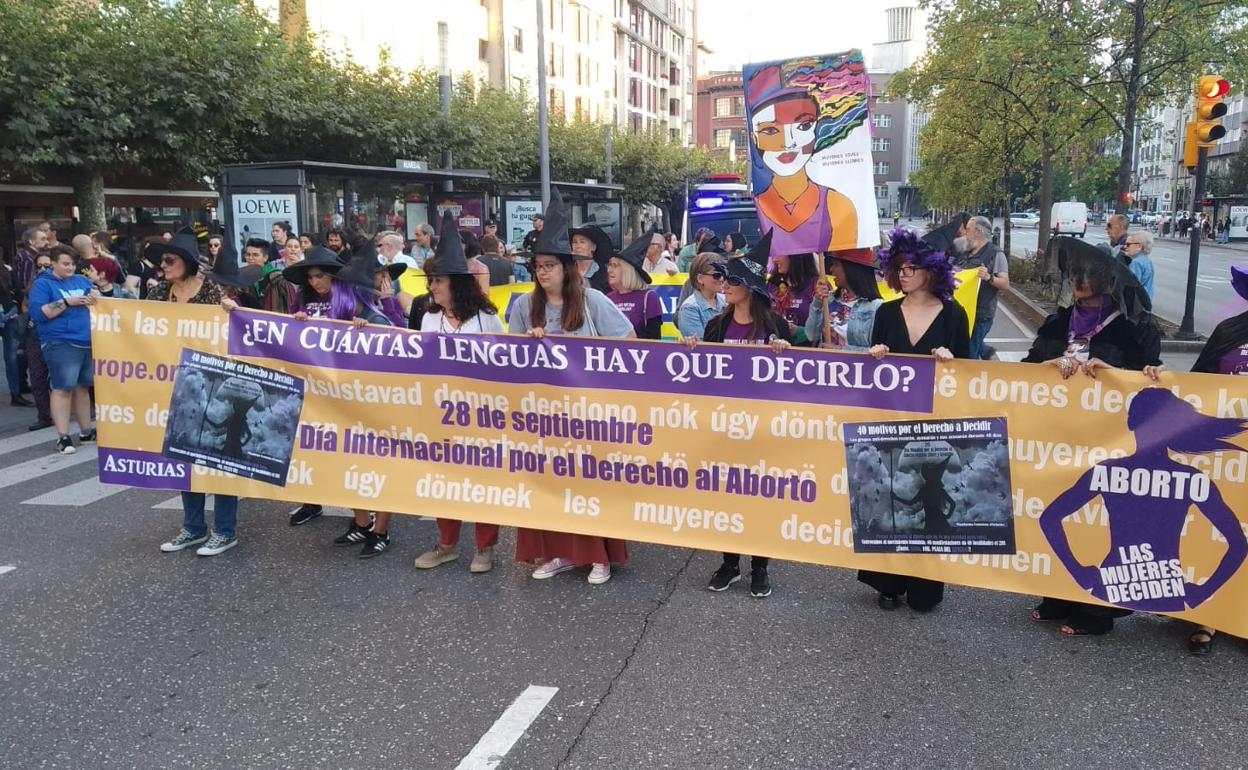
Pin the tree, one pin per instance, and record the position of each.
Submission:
(1235, 179)
(1149, 52)
(91, 89)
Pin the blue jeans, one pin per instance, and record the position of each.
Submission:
(979, 333)
(224, 520)
(12, 332)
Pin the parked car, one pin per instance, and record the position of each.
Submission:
(1025, 219)
(1070, 218)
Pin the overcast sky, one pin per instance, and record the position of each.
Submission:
(741, 31)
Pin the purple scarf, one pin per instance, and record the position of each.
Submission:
(1085, 320)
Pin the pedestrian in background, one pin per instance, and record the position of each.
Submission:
(36, 366)
(1138, 249)
(58, 305)
(983, 255)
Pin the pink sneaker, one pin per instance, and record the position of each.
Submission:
(600, 574)
(552, 568)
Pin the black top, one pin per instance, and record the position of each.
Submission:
(950, 329)
(717, 326)
(500, 269)
(1227, 336)
(1121, 344)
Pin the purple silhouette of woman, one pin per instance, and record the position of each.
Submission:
(1147, 496)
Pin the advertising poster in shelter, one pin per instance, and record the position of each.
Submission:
(810, 152)
(468, 211)
(233, 416)
(255, 215)
(930, 486)
(518, 219)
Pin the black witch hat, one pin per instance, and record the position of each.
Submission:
(360, 270)
(319, 257)
(1077, 255)
(553, 240)
(448, 257)
(942, 237)
(184, 246)
(603, 248)
(635, 253)
(227, 272)
(751, 269)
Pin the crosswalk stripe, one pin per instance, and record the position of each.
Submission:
(27, 440)
(82, 493)
(1011, 355)
(43, 466)
(175, 504)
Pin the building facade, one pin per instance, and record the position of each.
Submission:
(627, 62)
(719, 115)
(897, 126)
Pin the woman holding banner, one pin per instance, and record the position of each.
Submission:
(852, 306)
(747, 319)
(561, 304)
(631, 292)
(328, 289)
(926, 322)
(457, 305)
(1107, 326)
(181, 281)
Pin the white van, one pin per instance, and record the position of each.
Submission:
(1069, 218)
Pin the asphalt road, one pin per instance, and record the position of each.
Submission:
(288, 653)
(1215, 299)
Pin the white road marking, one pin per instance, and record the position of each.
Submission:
(510, 727)
(175, 504)
(1014, 320)
(77, 495)
(1007, 340)
(43, 466)
(7, 568)
(27, 440)
(1013, 356)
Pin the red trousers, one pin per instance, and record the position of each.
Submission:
(487, 534)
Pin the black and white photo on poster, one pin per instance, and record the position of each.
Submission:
(233, 416)
(935, 486)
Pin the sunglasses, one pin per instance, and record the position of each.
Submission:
(168, 259)
(734, 280)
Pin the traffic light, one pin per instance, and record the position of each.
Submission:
(1190, 150)
(1211, 92)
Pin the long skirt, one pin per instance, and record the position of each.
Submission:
(921, 594)
(582, 550)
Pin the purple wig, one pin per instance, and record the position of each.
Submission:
(1160, 418)
(343, 300)
(904, 246)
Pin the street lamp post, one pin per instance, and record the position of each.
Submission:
(543, 117)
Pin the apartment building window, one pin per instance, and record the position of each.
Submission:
(634, 56)
(483, 49)
(634, 122)
(738, 105)
(673, 107)
(882, 121)
(634, 92)
(723, 107)
(738, 135)
(673, 134)
(881, 168)
(881, 192)
(723, 137)
(881, 144)
(517, 40)
(579, 79)
(580, 108)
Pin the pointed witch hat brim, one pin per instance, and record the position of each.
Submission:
(635, 253)
(319, 257)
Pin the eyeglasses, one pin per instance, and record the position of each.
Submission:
(545, 267)
(1133, 243)
(908, 270)
(717, 275)
(168, 259)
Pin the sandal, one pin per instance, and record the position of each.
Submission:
(1201, 641)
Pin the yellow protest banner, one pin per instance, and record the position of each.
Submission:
(984, 474)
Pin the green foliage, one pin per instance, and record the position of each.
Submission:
(177, 89)
(1097, 181)
(1235, 180)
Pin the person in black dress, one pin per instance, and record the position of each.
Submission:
(926, 322)
(1108, 325)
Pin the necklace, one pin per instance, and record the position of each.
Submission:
(442, 325)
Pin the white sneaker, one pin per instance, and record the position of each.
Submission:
(600, 574)
(552, 568)
(217, 544)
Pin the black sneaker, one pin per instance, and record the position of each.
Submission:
(723, 577)
(89, 436)
(374, 545)
(65, 445)
(305, 513)
(760, 586)
(354, 535)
